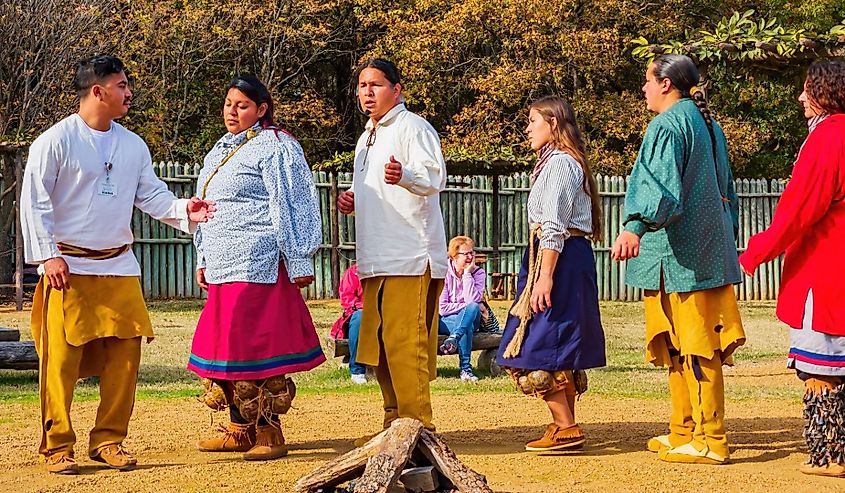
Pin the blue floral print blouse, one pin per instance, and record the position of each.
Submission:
(267, 210)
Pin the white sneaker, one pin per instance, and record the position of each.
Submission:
(468, 376)
(359, 379)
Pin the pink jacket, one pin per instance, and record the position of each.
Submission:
(351, 299)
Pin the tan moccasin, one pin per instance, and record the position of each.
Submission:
(61, 463)
(116, 457)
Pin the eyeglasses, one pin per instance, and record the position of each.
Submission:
(467, 254)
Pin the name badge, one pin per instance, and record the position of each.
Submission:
(107, 189)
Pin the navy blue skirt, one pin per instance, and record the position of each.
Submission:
(567, 336)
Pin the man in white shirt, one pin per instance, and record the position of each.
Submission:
(400, 243)
(82, 179)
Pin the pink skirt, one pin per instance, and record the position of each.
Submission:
(250, 331)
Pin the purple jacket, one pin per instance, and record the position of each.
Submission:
(459, 292)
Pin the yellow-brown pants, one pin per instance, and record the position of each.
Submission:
(694, 334)
(398, 337)
(697, 390)
(117, 392)
(94, 327)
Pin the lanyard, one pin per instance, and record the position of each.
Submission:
(250, 134)
(108, 164)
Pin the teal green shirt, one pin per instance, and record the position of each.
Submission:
(683, 205)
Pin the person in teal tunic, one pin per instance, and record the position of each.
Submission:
(681, 220)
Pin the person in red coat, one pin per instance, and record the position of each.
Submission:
(809, 225)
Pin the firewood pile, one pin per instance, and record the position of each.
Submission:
(405, 458)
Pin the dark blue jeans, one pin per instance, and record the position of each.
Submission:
(462, 325)
(354, 328)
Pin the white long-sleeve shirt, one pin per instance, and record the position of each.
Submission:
(558, 202)
(399, 228)
(63, 199)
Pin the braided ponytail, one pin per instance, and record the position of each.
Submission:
(697, 96)
(683, 73)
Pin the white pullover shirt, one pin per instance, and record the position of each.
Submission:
(66, 196)
(399, 228)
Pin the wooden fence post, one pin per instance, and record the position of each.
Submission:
(497, 234)
(18, 232)
(335, 233)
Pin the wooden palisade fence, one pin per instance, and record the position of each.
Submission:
(11, 243)
(167, 256)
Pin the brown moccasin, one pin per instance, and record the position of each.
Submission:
(234, 438)
(61, 463)
(557, 438)
(116, 457)
(831, 470)
(269, 444)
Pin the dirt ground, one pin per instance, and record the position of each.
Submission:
(486, 430)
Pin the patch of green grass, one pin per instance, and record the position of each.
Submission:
(167, 393)
(163, 374)
(188, 306)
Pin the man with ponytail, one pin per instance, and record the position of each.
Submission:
(681, 220)
(400, 243)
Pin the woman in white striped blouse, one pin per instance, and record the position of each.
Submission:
(554, 331)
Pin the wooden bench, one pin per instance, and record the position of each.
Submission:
(484, 342)
(16, 354)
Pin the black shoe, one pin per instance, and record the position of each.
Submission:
(449, 346)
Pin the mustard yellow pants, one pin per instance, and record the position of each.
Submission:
(694, 334)
(117, 392)
(92, 328)
(398, 337)
(697, 390)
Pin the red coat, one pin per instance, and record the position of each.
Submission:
(351, 299)
(809, 224)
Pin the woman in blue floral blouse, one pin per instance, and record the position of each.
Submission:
(253, 259)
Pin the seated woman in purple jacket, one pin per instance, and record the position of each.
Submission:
(460, 310)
